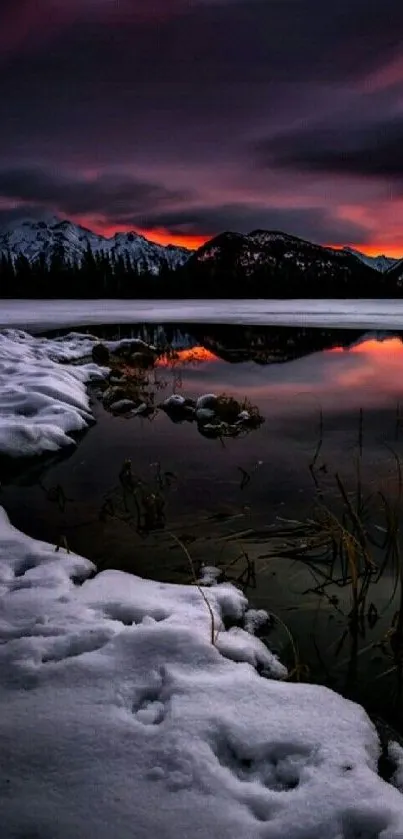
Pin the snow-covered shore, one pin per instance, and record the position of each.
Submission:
(119, 717)
(42, 399)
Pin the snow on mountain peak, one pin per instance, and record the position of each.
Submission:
(381, 262)
(35, 238)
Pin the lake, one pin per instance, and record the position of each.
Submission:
(250, 502)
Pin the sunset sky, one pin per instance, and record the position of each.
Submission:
(184, 118)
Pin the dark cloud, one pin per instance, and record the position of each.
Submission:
(373, 151)
(308, 223)
(106, 195)
(248, 40)
(163, 100)
(130, 203)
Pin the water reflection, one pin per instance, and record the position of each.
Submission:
(329, 398)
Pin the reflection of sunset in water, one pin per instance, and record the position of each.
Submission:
(195, 355)
(373, 347)
(365, 375)
(380, 368)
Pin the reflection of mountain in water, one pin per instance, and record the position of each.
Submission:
(271, 345)
(236, 343)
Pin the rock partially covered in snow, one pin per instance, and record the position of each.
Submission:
(113, 394)
(123, 406)
(207, 401)
(179, 408)
(256, 620)
(244, 416)
(209, 575)
(142, 410)
(174, 402)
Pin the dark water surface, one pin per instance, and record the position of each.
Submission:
(333, 395)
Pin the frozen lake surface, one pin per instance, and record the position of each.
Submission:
(45, 314)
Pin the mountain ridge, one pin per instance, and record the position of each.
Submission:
(36, 239)
(380, 262)
(45, 255)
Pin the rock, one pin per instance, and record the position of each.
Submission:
(112, 394)
(204, 415)
(212, 431)
(142, 360)
(142, 410)
(209, 400)
(132, 346)
(174, 402)
(113, 380)
(123, 406)
(209, 575)
(100, 354)
(244, 416)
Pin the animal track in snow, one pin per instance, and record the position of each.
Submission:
(149, 708)
(278, 768)
(76, 645)
(26, 565)
(129, 614)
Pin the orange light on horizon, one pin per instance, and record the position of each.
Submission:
(163, 237)
(393, 251)
(160, 236)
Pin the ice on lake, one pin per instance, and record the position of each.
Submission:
(47, 314)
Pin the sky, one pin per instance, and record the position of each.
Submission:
(184, 118)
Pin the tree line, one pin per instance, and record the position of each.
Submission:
(100, 275)
(96, 275)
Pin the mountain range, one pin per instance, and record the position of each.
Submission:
(34, 239)
(275, 264)
(259, 264)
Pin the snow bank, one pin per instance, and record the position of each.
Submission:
(42, 401)
(118, 717)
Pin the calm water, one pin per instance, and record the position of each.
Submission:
(339, 388)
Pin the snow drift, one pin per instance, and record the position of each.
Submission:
(42, 400)
(119, 717)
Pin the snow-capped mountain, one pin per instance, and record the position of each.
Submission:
(34, 239)
(381, 262)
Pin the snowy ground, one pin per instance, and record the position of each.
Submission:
(120, 718)
(47, 314)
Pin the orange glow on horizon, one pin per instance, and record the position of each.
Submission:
(393, 251)
(161, 236)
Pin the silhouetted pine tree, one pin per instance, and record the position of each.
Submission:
(7, 276)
